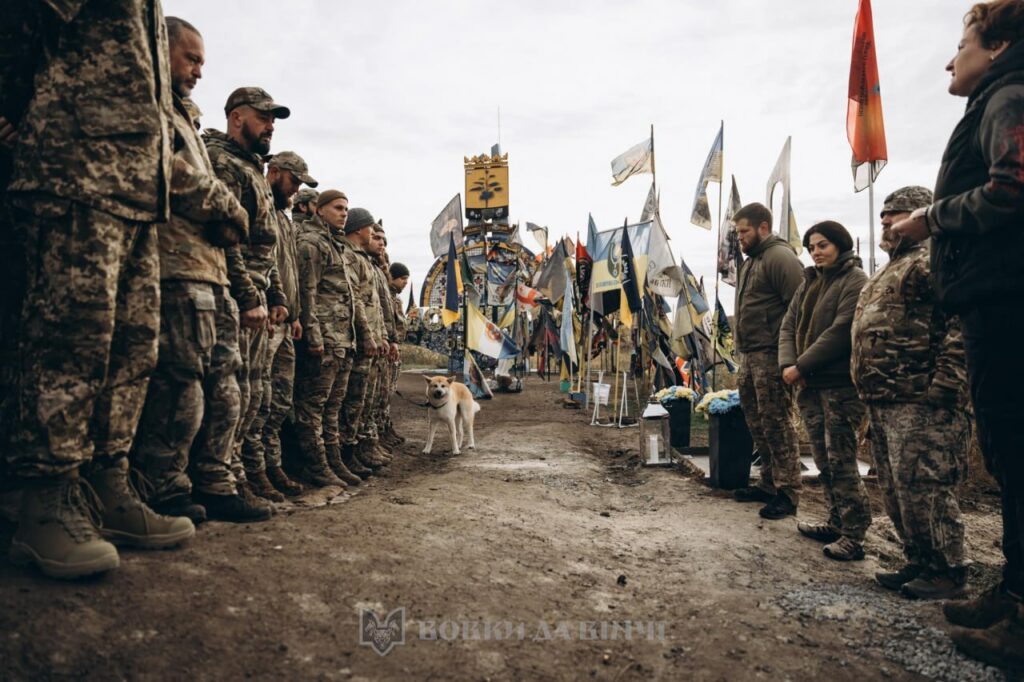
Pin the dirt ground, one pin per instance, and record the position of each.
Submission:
(546, 553)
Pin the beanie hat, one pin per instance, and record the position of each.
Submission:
(832, 231)
(399, 270)
(328, 196)
(358, 218)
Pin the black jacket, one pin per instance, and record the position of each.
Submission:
(978, 215)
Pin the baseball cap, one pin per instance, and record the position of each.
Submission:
(291, 161)
(257, 98)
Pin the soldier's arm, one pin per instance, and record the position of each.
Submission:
(785, 273)
(242, 288)
(275, 291)
(362, 325)
(311, 271)
(202, 198)
(950, 363)
(787, 332)
(389, 314)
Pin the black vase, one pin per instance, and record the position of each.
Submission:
(679, 412)
(730, 448)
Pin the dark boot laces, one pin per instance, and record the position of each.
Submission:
(77, 506)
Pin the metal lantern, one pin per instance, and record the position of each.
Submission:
(655, 436)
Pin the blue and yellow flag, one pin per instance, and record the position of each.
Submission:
(453, 286)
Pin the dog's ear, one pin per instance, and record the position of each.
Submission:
(450, 380)
(427, 379)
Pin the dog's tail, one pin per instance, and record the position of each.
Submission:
(476, 407)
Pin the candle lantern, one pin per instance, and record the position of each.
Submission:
(655, 436)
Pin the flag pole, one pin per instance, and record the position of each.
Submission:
(871, 219)
(714, 325)
(654, 172)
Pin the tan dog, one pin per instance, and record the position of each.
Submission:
(451, 404)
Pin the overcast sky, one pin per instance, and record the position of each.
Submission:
(387, 97)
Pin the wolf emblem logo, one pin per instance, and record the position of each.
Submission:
(382, 636)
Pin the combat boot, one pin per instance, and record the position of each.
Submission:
(318, 473)
(127, 520)
(990, 607)
(844, 549)
(338, 466)
(57, 530)
(235, 508)
(280, 480)
(348, 457)
(948, 584)
(399, 438)
(260, 486)
(894, 580)
(365, 454)
(180, 505)
(382, 452)
(823, 532)
(779, 508)
(1001, 645)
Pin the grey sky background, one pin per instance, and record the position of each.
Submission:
(388, 97)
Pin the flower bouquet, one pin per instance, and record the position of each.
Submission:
(674, 393)
(718, 402)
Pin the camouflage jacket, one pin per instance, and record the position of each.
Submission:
(387, 310)
(197, 199)
(903, 343)
(401, 326)
(327, 301)
(252, 265)
(97, 129)
(288, 264)
(358, 267)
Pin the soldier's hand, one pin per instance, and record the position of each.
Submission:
(278, 314)
(254, 318)
(370, 348)
(8, 133)
(315, 350)
(296, 331)
(791, 375)
(914, 228)
(393, 352)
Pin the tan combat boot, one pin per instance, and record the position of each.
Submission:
(318, 473)
(127, 521)
(282, 482)
(261, 486)
(57, 533)
(338, 466)
(366, 456)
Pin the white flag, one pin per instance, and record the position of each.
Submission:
(787, 221)
(637, 159)
(651, 208)
(448, 221)
(712, 172)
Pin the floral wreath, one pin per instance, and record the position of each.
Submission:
(432, 313)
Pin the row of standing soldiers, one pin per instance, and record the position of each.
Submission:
(169, 314)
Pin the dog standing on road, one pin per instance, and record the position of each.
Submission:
(451, 404)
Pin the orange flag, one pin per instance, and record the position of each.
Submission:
(864, 126)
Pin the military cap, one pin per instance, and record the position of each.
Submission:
(257, 98)
(306, 196)
(290, 161)
(358, 218)
(328, 196)
(907, 199)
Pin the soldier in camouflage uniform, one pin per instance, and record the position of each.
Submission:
(768, 278)
(399, 276)
(194, 384)
(304, 206)
(370, 343)
(237, 158)
(262, 446)
(91, 177)
(909, 368)
(382, 319)
(814, 356)
(331, 318)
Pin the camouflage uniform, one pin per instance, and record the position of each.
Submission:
(332, 317)
(252, 269)
(908, 365)
(91, 176)
(360, 270)
(401, 330)
(194, 382)
(380, 382)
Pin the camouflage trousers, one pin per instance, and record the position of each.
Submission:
(192, 406)
(373, 404)
(833, 417)
(281, 391)
(920, 453)
(253, 451)
(767, 407)
(253, 344)
(395, 369)
(321, 386)
(89, 335)
(352, 410)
